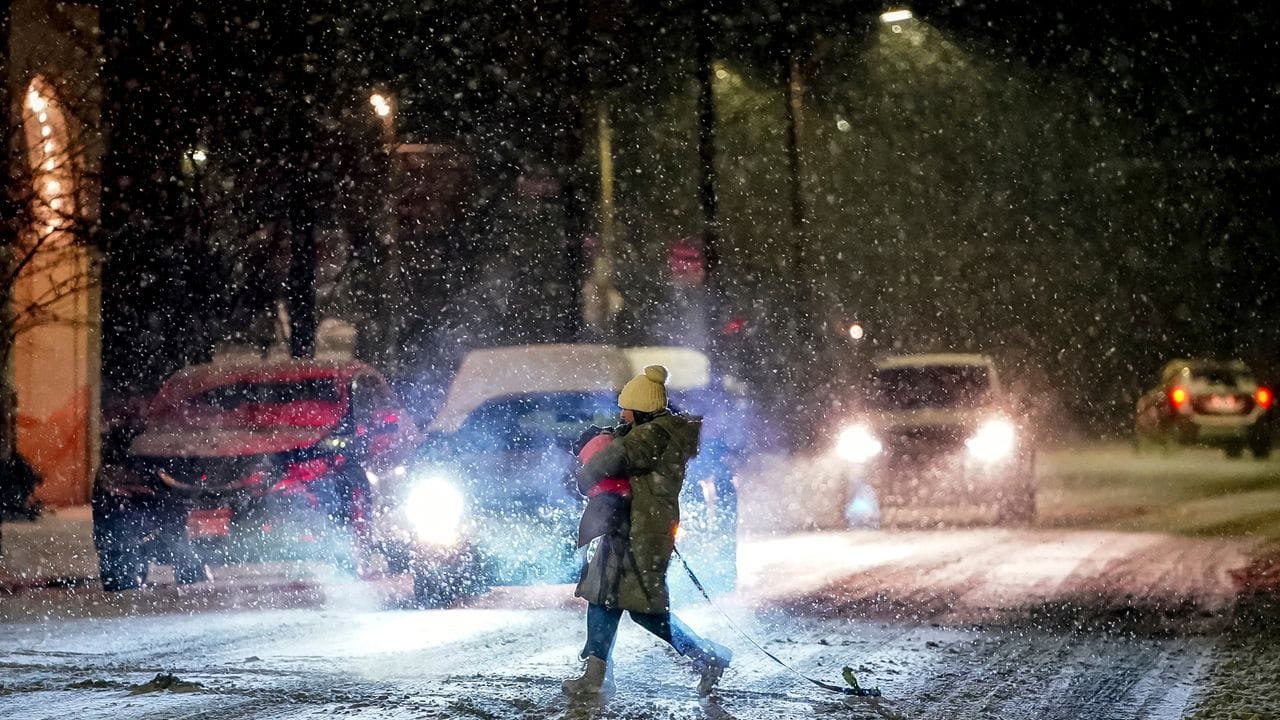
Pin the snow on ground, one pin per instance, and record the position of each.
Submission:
(1096, 612)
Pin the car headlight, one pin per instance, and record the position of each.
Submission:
(994, 440)
(858, 444)
(435, 507)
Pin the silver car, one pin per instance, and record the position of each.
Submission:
(1208, 403)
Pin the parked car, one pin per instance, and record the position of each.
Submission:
(936, 430)
(491, 498)
(1210, 403)
(236, 461)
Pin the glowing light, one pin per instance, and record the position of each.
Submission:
(857, 332)
(46, 131)
(56, 203)
(48, 146)
(895, 16)
(1178, 396)
(43, 117)
(36, 103)
(1263, 397)
(435, 507)
(858, 444)
(995, 440)
(53, 186)
(381, 104)
(722, 73)
(199, 156)
(843, 125)
(50, 165)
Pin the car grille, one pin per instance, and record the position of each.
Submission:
(207, 475)
(925, 440)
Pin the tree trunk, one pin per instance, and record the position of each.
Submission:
(9, 207)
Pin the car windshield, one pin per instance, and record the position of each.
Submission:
(1225, 375)
(937, 386)
(256, 404)
(529, 422)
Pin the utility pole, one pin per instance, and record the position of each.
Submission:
(707, 181)
(303, 164)
(569, 156)
(793, 79)
(604, 273)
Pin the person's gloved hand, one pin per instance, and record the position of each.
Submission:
(588, 434)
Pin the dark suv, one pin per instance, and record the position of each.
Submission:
(243, 461)
(491, 499)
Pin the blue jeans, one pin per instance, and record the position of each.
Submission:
(602, 630)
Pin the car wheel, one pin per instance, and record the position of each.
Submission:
(1018, 504)
(1144, 442)
(1234, 450)
(118, 536)
(1141, 440)
(726, 534)
(346, 511)
(437, 585)
(173, 546)
(432, 588)
(1260, 447)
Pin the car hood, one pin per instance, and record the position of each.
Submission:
(533, 478)
(929, 417)
(225, 442)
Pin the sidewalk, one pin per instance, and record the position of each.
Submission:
(56, 549)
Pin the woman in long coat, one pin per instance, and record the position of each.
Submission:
(629, 568)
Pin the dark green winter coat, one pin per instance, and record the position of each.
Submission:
(629, 568)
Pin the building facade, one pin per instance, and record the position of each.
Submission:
(54, 364)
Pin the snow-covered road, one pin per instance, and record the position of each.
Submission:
(1076, 620)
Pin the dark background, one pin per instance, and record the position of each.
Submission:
(1084, 190)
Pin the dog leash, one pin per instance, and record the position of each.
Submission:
(853, 689)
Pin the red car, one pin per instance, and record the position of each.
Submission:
(244, 461)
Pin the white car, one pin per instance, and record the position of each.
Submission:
(1206, 402)
(939, 429)
(491, 497)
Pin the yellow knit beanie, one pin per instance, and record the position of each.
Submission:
(646, 392)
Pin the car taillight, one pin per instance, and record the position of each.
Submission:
(1178, 398)
(1263, 397)
(297, 476)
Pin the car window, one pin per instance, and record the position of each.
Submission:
(938, 386)
(251, 404)
(1221, 375)
(543, 420)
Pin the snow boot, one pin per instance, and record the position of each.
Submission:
(710, 661)
(596, 681)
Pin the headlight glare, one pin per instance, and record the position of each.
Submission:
(994, 440)
(858, 444)
(435, 509)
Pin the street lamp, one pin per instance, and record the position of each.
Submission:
(897, 15)
(384, 107)
(383, 104)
